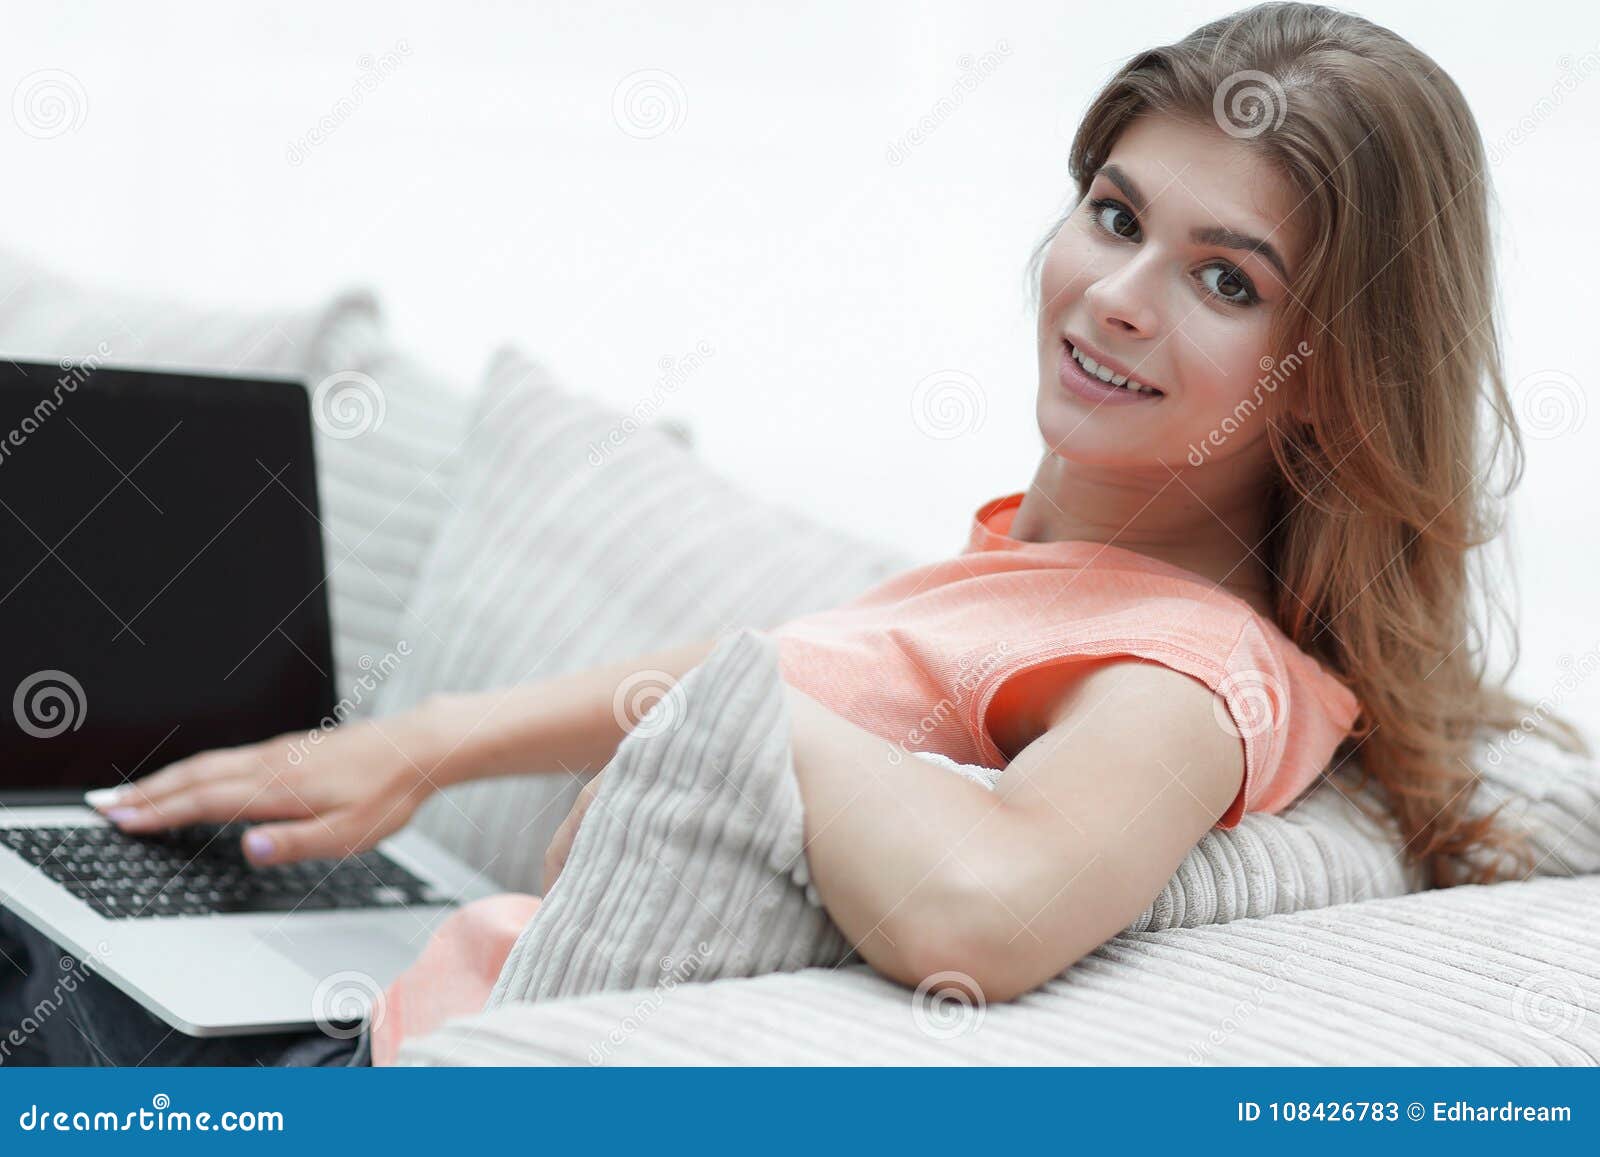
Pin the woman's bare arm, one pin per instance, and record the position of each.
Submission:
(573, 722)
(926, 872)
(341, 791)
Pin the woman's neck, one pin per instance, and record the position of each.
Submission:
(1197, 520)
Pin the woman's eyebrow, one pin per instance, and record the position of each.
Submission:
(1219, 235)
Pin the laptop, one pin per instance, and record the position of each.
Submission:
(162, 592)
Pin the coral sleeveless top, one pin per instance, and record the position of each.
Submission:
(919, 658)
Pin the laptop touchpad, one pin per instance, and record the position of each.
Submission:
(379, 951)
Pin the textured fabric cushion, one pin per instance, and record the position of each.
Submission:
(390, 431)
(1327, 848)
(581, 538)
(692, 851)
(1500, 975)
(386, 426)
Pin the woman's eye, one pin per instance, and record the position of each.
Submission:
(1231, 285)
(1107, 212)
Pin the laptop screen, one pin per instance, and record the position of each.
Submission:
(161, 571)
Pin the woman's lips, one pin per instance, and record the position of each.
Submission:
(1080, 382)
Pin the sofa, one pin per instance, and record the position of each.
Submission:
(493, 531)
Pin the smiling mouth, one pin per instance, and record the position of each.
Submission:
(1105, 376)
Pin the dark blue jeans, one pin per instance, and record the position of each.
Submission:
(98, 1024)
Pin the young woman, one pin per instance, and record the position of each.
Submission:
(1264, 333)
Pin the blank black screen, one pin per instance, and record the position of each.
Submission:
(161, 571)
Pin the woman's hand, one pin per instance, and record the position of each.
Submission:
(330, 796)
(555, 856)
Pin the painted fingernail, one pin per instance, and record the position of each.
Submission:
(258, 845)
(121, 815)
(102, 797)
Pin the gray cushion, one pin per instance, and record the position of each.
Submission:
(1501, 975)
(690, 859)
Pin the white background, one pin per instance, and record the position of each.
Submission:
(486, 191)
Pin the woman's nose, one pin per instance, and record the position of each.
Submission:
(1124, 298)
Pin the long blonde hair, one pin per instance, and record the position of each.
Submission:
(1380, 496)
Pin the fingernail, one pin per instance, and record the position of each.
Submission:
(121, 815)
(102, 797)
(258, 845)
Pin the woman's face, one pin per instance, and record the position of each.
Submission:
(1160, 271)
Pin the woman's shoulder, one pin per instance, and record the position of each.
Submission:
(1285, 710)
(1261, 637)
(1213, 633)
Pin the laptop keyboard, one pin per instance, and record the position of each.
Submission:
(200, 870)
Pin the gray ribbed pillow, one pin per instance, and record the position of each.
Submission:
(690, 860)
(390, 430)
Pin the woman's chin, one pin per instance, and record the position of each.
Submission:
(1086, 438)
(1081, 446)
(1079, 428)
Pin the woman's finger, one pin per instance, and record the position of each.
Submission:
(314, 838)
(555, 856)
(180, 776)
(218, 802)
